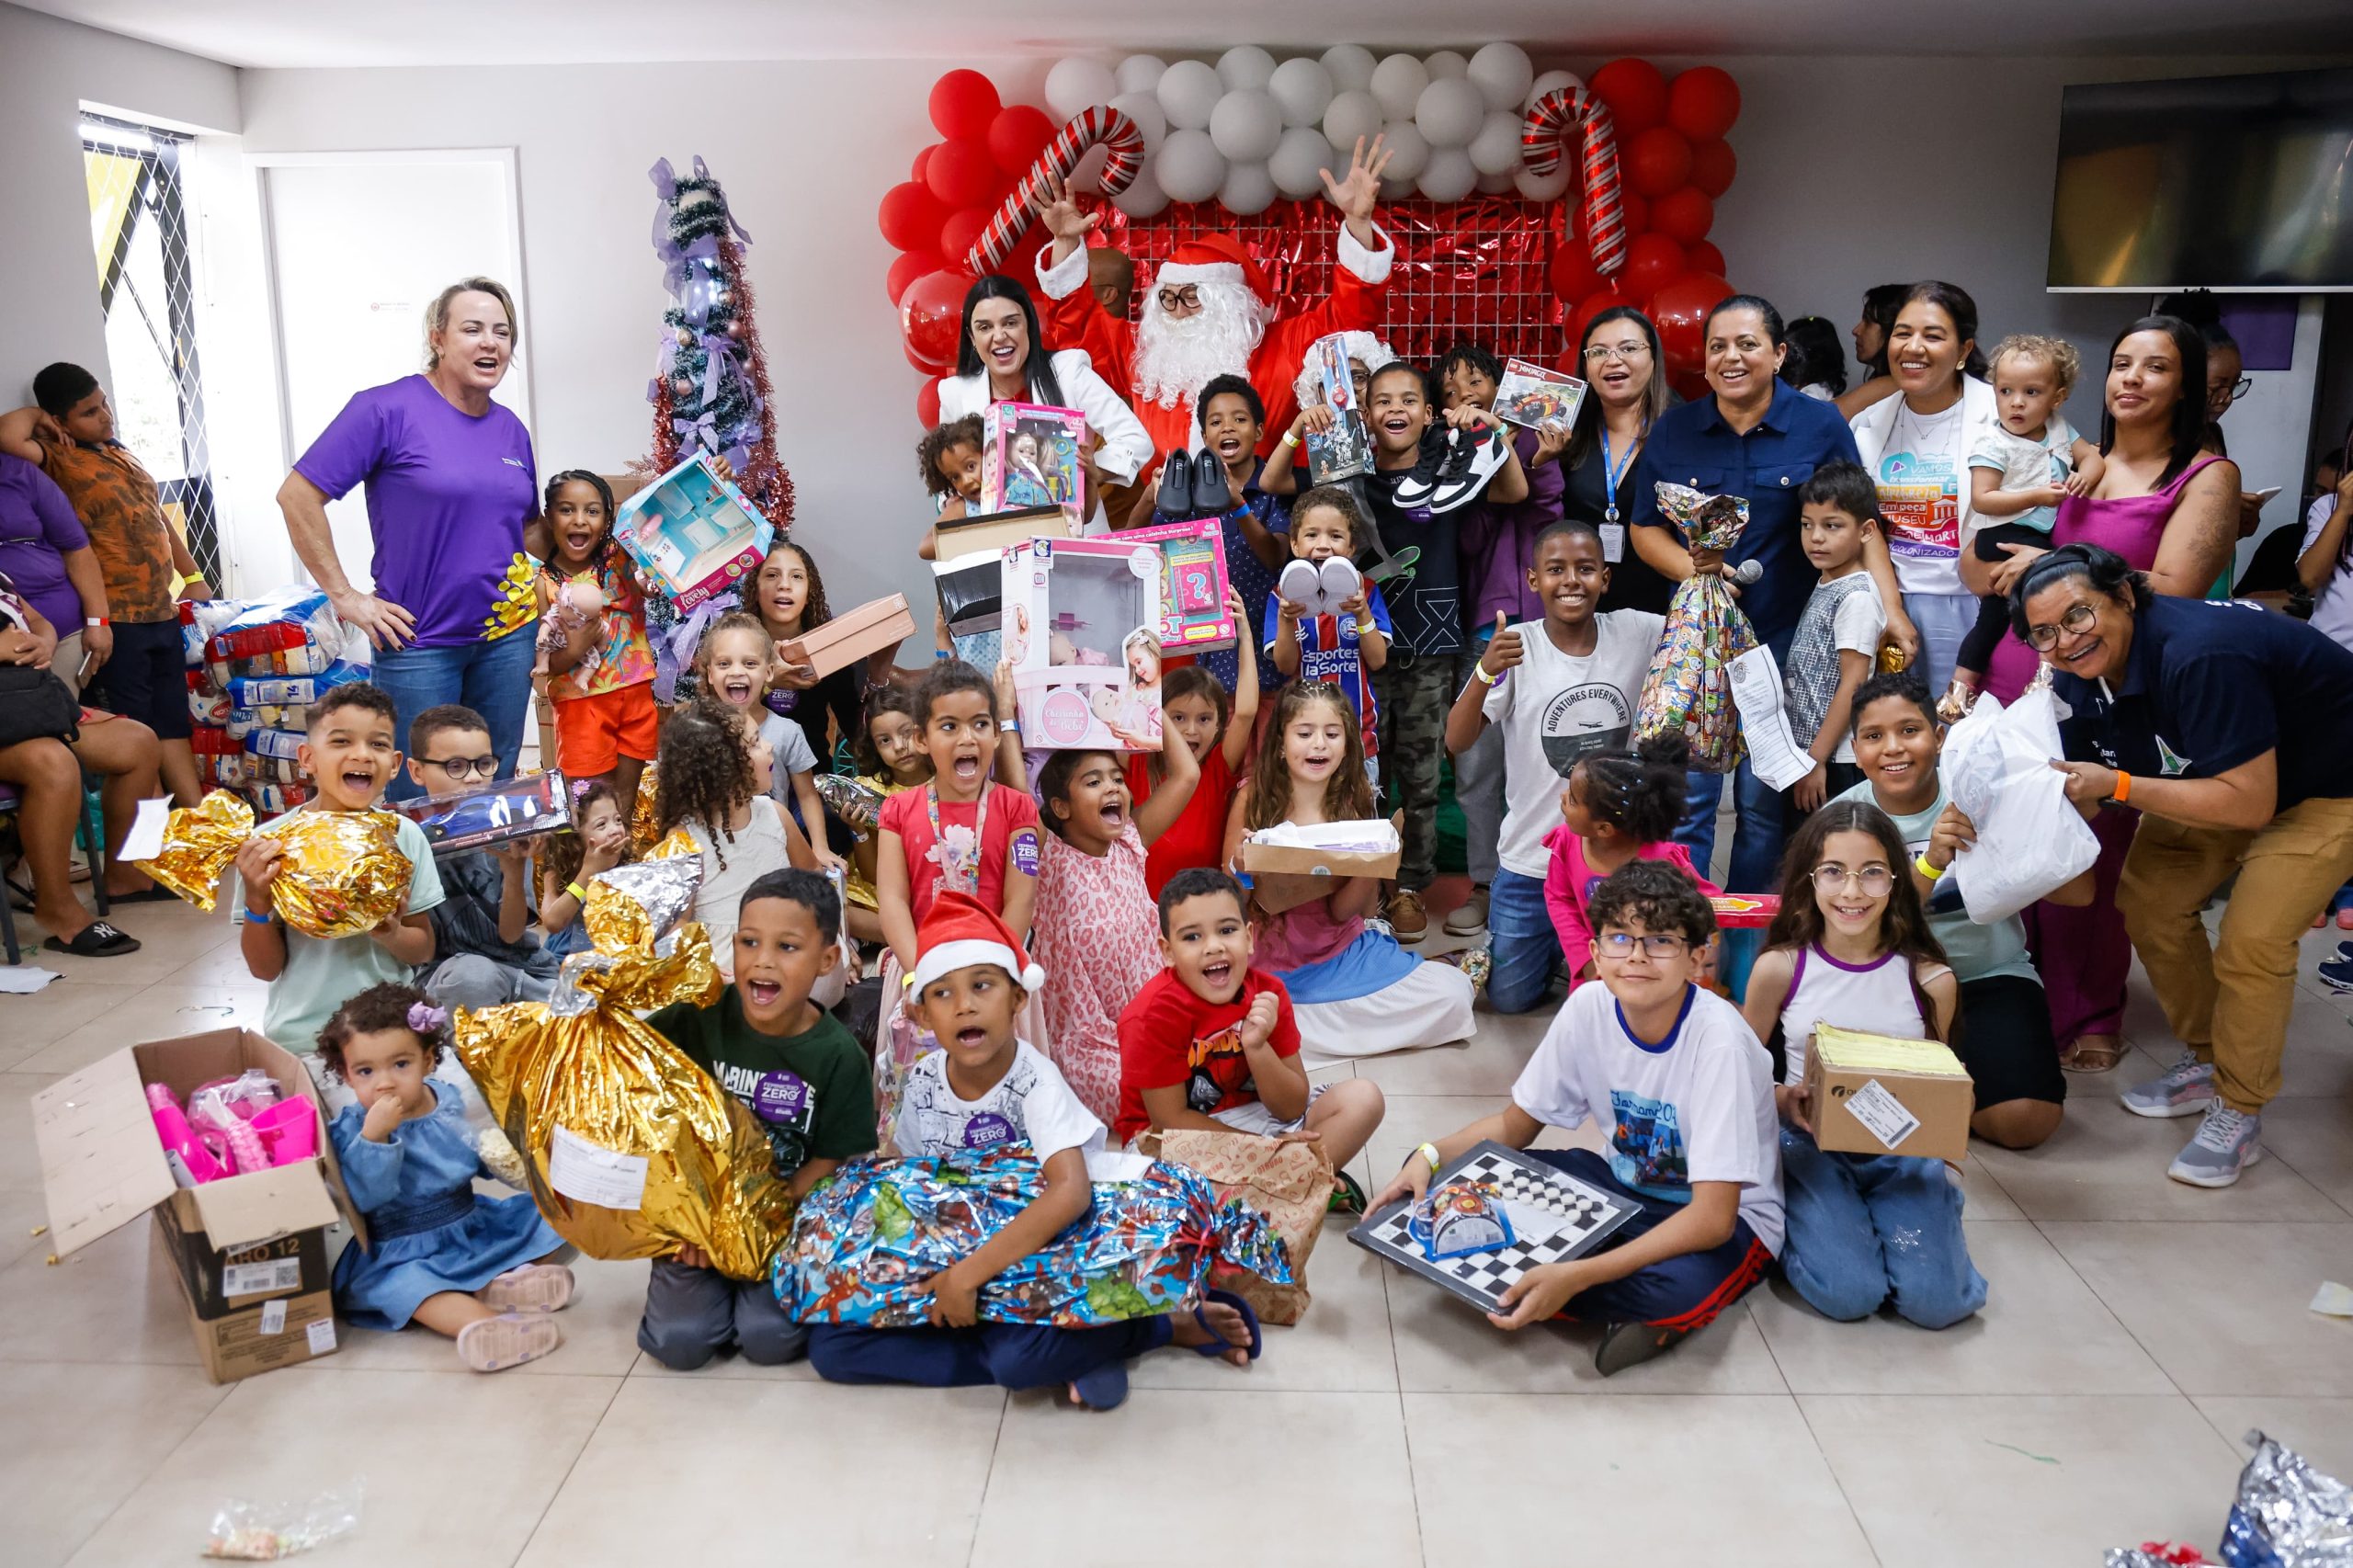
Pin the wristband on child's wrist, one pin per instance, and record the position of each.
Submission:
(1926, 869)
(1479, 671)
(574, 890)
(1430, 1151)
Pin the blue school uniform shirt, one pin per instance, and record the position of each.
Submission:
(1330, 650)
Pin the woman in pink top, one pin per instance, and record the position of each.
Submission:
(1617, 809)
(2173, 514)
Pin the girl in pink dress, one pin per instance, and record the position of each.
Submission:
(1617, 809)
(1098, 933)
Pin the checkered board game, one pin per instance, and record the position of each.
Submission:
(1563, 1217)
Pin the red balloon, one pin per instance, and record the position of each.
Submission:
(1582, 318)
(957, 234)
(1712, 167)
(910, 217)
(1704, 258)
(1653, 261)
(922, 161)
(1635, 92)
(931, 317)
(1017, 135)
(1572, 272)
(963, 103)
(961, 173)
(927, 402)
(1684, 216)
(927, 367)
(1654, 161)
(1680, 310)
(909, 267)
(1703, 102)
(1635, 211)
(1689, 385)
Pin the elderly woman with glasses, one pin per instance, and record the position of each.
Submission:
(2230, 731)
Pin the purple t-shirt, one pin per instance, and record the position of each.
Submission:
(448, 494)
(37, 527)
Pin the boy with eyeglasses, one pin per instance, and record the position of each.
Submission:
(483, 953)
(1685, 1093)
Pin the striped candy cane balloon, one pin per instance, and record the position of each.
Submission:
(1115, 131)
(1542, 132)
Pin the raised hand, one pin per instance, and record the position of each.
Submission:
(1504, 650)
(1359, 191)
(1063, 217)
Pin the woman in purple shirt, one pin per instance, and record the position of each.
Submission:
(452, 486)
(47, 555)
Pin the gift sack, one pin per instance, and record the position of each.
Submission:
(1290, 1184)
(1690, 684)
(2030, 838)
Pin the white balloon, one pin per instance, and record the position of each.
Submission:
(1409, 151)
(1245, 125)
(1076, 84)
(1496, 150)
(1446, 65)
(1188, 90)
(1244, 65)
(1352, 115)
(1397, 83)
(1552, 81)
(1543, 187)
(1143, 107)
(1447, 177)
(1144, 198)
(1299, 161)
(1140, 72)
(1303, 90)
(1496, 184)
(1449, 113)
(1349, 66)
(1501, 71)
(1248, 188)
(1189, 167)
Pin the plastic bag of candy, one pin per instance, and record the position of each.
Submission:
(254, 1532)
(1690, 684)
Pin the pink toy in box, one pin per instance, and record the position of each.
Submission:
(1193, 584)
(1030, 458)
(693, 534)
(1081, 627)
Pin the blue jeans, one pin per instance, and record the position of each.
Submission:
(1943, 621)
(1010, 1355)
(1521, 943)
(1689, 1290)
(491, 678)
(1759, 829)
(1865, 1229)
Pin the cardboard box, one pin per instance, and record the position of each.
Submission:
(1284, 876)
(1876, 1094)
(1030, 457)
(693, 534)
(249, 1251)
(852, 636)
(1537, 398)
(1193, 584)
(997, 532)
(1081, 627)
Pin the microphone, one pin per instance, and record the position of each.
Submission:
(1748, 571)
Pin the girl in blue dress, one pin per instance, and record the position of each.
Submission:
(480, 1270)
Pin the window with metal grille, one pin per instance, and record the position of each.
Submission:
(139, 229)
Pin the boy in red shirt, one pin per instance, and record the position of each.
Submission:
(1209, 1044)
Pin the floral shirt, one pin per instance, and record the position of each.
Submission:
(627, 656)
(123, 513)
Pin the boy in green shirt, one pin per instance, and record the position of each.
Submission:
(794, 1068)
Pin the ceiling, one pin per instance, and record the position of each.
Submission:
(550, 32)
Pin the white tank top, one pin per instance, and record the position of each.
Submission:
(1875, 997)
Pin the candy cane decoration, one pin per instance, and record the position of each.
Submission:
(1114, 131)
(1541, 135)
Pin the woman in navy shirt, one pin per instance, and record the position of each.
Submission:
(2230, 728)
(1757, 437)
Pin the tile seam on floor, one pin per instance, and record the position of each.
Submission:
(2113, 1315)
(228, 1391)
(564, 1480)
(1827, 1464)
(1404, 1428)
(996, 1442)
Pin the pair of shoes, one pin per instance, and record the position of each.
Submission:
(1408, 921)
(1319, 588)
(1193, 484)
(1469, 918)
(2337, 973)
(1451, 473)
(2186, 1088)
(1625, 1344)
(2224, 1144)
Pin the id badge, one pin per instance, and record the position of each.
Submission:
(1613, 542)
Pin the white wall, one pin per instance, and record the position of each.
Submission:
(1950, 175)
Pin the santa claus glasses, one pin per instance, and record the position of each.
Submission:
(1185, 300)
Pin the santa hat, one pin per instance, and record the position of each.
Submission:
(962, 931)
(1212, 258)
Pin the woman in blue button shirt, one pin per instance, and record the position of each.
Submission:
(1759, 438)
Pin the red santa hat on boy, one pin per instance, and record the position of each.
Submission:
(1212, 258)
(962, 931)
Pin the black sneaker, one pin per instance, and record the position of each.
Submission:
(1212, 495)
(1175, 497)
(1625, 1344)
(2337, 973)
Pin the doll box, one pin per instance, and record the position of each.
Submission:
(1877, 1095)
(1345, 450)
(1081, 627)
(852, 636)
(1029, 454)
(1193, 586)
(692, 533)
(249, 1251)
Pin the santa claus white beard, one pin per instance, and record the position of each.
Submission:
(1177, 359)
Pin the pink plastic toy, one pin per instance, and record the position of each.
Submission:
(290, 1130)
(201, 1161)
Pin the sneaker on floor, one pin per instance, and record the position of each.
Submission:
(1469, 918)
(1625, 1344)
(2185, 1089)
(2223, 1145)
(1409, 922)
(2337, 973)
(493, 1345)
(534, 1287)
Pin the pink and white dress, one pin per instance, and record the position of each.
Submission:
(1097, 935)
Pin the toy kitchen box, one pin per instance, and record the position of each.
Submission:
(250, 1252)
(1081, 627)
(693, 534)
(1192, 584)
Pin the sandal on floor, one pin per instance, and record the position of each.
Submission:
(1218, 1344)
(533, 1287)
(96, 940)
(493, 1345)
(1347, 1196)
(2088, 1054)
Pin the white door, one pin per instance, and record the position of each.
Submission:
(359, 244)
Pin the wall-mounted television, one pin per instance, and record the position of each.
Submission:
(2244, 183)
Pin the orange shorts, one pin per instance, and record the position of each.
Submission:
(593, 732)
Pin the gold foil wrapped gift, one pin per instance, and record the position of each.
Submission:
(343, 875)
(629, 1148)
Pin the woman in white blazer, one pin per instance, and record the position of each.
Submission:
(1915, 447)
(998, 360)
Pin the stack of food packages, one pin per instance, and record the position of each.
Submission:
(253, 667)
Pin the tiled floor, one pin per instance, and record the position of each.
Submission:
(2137, 1328)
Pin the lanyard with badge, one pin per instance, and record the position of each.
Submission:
(1613, 532)
(960, 868)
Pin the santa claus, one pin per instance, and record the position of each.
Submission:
(1209, 312)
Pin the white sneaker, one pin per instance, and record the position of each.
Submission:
(2186, 1088)
(2223, 1146)
(1469, 918)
